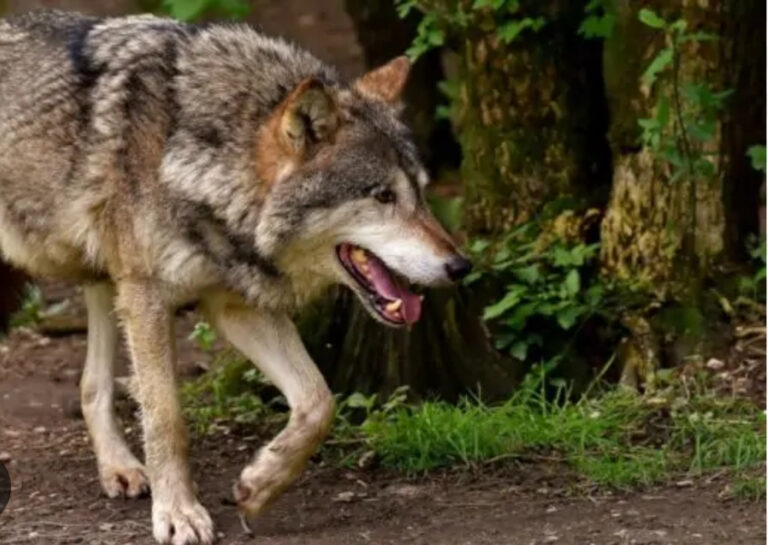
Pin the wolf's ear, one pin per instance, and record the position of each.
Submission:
(309, 115)
(385, 83)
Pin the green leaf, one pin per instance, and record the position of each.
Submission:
(360, 401)
(597, 26)
(699, 36)
(404, 7)
(573, 282)
(529, 275)
(479, 245)
(493, 4)
(648, 17)
(519, 316)
(510, 30)
(662, 111)
(660, 63)
(567, 317)
(186, 10)
(519, 350)
(500, 307)
(757, 157)
(679, 26)
(472, 277)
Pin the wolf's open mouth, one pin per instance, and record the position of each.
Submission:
(387, 293)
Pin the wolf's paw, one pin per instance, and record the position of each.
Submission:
(261, 483)
(181, 523)
(124, 481)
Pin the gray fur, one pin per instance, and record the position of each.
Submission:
(146, 125)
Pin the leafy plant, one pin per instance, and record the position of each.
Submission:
(204, 335)
(599, 22)
(504, 17)
(543, 281)
(31, 307)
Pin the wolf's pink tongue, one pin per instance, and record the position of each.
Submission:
(391, 289)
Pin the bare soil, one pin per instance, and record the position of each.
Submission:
(56, 500)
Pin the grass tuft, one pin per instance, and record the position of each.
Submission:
(619, 439)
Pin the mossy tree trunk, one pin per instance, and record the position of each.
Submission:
(531, 118)
(671, 236)
(529, 124)
(660, 232)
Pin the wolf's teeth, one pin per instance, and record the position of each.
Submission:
(394, 306)
(358, 256)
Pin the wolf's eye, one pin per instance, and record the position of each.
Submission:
(384, 195)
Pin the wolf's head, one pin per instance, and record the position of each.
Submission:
(346, 195)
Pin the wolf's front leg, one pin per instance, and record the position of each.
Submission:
(273, 344)
(121, 474)
(177, 516)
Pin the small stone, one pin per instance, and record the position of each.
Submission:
(5, 456)
(40, 429)
(344, 497)
(715, 364)
(405, 491)
(551, 509)
(366, 459)
(106, 527)
(684, 484)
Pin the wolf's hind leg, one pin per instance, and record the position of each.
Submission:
(121, 474)
(273, 344)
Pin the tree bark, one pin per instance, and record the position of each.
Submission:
(658, 232)
(743, 58)
(531, 119)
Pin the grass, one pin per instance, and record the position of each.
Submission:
(617, 439)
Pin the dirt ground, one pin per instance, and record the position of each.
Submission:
(55, 495)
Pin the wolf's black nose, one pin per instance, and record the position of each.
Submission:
(458, 267)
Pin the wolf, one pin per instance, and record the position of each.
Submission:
(161, 164)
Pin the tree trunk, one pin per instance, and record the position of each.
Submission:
(669, 236)
(743, 57)
(659, 232)
(531, 119)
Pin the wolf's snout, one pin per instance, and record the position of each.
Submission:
(458, 267)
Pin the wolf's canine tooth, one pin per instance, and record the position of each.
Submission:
(394, 306)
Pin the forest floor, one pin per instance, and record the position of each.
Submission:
(55, 494)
